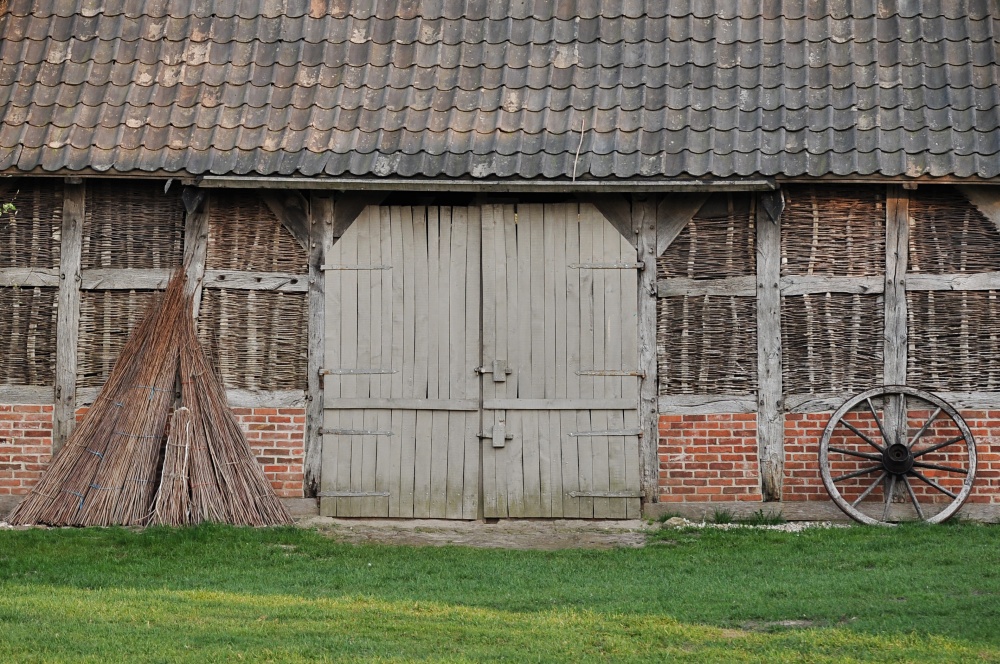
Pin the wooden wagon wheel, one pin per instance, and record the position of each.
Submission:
(897, 453)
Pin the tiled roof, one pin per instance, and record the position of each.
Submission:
(498, 88)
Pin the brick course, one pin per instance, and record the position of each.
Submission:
(276, 437)
(709, 458)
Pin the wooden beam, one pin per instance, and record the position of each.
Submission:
(349, 206)
(154, 279)
(28, 277)
(731, 286)
(616, 209)
(26, 394)
(770, 418)
(292, 210)
(196, 230)
(645, 223)
(236, 398)
(673, 214)
(986, 199)
(698, 404)
(68, 314)
(894, 350)
(790, 285)
(321, 226)
(953, 282)
(282, 282)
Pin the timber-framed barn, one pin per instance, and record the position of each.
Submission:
(467, 259)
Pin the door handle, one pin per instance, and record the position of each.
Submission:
(498, 435)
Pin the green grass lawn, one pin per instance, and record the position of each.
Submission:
(228, 594)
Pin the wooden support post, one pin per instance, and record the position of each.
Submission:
(770, 416)
(321, 220)
(68, 316)
(644, 222)
(897, 242)
(195, 243)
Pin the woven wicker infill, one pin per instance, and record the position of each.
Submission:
(831, 342)
(245, 235)
(30, 237)
(949, 234)
(256, 339)
(106, 319)
(707, 345)
(718, 242)
(132, 225)
(27, 336)
(837, 231)
(954, 340)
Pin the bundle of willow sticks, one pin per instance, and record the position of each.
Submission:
(122, 467)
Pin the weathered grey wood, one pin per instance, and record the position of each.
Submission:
(916, 281)
(897, 230)
(197, 205)
(283, 282)
(697, 404)
(770, 420)
(814, 403)
(646, 222)
(494, 284)
(986, 199)
(349, 206)
(28, 277)
(808, 284)
(617, 209)
(559, 404)
(391, 217)
(237, 398)
(68, 315)
(26, 394)
(731, 286)
(320, 244)
(292, 210)
(673, 213)
(897, 253)
(472, 483)
(788, 285)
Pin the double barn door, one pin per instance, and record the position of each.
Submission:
(481, 362)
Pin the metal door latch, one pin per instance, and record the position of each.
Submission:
(500, 369)
(498, 435)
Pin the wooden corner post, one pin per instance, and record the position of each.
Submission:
(644, 220)
(894, 349)
(68, 316)
(770, 416)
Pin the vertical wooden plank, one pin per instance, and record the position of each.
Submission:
(348, 464)
(397, 468)
(196, 250)
(897, 242)
(363, 447)
(490, 260)
(407, 491)
(68, 315)
(770, 419)
(329, 472)
(517, 224)
(438, 465)
(588, 333)
(474, 315)
(455, 351)
(632, 465)
(616, 464)
(567, 419)
(433, 301)
(408, 258)
(321, 210)
(387, 452)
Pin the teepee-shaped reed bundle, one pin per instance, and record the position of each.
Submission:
(117, 469)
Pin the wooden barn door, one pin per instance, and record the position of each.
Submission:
(525, 398)
(560, 341)
(401, 400)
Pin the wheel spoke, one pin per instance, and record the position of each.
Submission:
(924, 428)
(946, 443)
(863, 455)
(870, 488)
(856, 473)
(913, 497)
(881, 430)
(934, 466)
(861, 435)
(931, 482)
(888, 498)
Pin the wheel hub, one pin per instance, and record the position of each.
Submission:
(897, 459)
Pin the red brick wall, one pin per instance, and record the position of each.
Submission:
(714, 457)
(276, 436)
(25, 446)
(708, 458)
